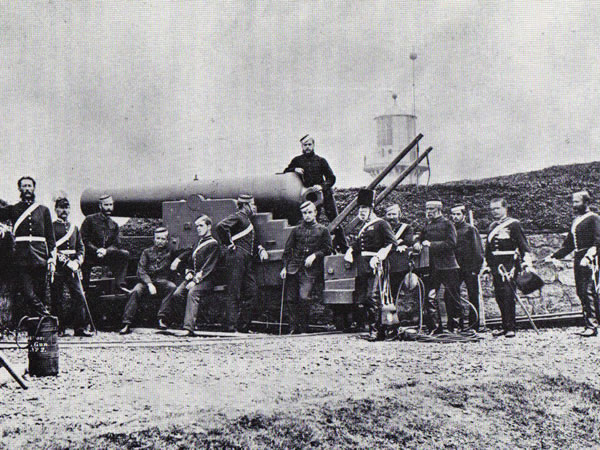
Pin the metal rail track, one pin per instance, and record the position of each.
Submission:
(201, 339)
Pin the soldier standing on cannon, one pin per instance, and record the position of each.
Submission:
(469, 255)
(70, 257)
(440, 236)
(35, 246)
(506, 253)
(373, 243)
(305, 249)
(101, 239)
(237, 233)
(584, 239)
(153, 273)
(316, 173)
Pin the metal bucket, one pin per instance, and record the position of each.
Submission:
(42, 344)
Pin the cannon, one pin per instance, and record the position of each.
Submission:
(278, 194)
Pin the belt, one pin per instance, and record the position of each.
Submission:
(67, 252)
(30, 239)
(365, 253)
(504, 252)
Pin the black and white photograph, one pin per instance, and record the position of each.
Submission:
(299, 224)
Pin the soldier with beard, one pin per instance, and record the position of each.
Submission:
(399, 259)
(440, 236)
(316, 172)
(35, 254)
(101, 238)
(373, 243)
(584, 240)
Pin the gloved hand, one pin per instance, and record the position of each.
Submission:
(175, 264)
(152, 289)
(73, 264)
(189, 275)
(283, 273)
(348, 256)
(310, 259)
(401, 248)
(374, 262)
(262, 254)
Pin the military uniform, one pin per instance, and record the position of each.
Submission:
(34, 246)
(584, 239)
(100, 231)
(469, 255)
(506, 241)
(440, 232)
(318, 172)
(201, 268)
(374, 236)
(399, 262)
(154, 267)
(69, 246)
(237, 229)
(304, 240)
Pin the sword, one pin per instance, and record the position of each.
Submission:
(77, 274)
(506, 277)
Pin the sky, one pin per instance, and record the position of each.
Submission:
(137, 93)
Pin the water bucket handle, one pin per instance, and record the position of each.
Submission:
(37, 330)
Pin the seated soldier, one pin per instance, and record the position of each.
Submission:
(153, 273)
(100, 236)
(199, 277)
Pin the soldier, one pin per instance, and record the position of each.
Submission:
(584, 239)
(101, 239)
(374, 241)
(35, 247)
(237, 233)
(440, 236)
(507, 252)
(305, 249)
(70, 255)
(198, 282)
(153, 273)
(400, 259)
(469, 255)
(316, 172)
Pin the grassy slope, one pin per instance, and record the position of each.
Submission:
(540, 199)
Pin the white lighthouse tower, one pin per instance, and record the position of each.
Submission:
(394, 132)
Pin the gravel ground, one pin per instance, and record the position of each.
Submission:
(116, 391)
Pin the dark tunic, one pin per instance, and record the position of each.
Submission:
(155, 264)
(73, 247)
(99, 231)
(237, 229)
(584, 234)
(316, 170)
(469, 248)
(505, 245)
(440, 232)
(30, 252)
(304, 240)
(373, 236)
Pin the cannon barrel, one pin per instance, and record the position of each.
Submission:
(277, 193)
